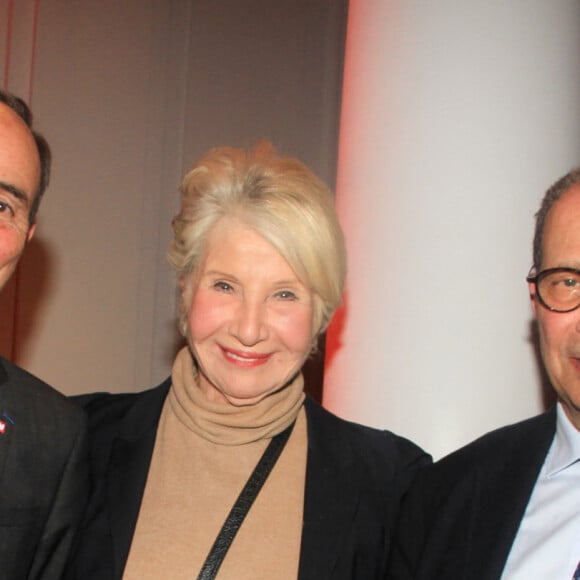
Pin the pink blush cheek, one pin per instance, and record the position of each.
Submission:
(297, 331)
(205, 316)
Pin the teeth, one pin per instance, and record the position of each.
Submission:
(241, 358)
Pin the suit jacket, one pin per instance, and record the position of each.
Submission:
(355, 476)
(43, 476)
(461, 515)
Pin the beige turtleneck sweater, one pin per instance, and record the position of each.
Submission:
(204, 453)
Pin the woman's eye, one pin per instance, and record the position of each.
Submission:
(223, 286)
(286, 295)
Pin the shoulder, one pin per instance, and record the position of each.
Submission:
(513, 451)
(109, 413)
(14, 377)
(368, 443)
(102, 405)
(482, 486)
(32, 397)
(501, 445)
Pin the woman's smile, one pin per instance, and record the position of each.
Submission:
(250, 318)
(245, 359)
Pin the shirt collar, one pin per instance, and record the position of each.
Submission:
(566, 446)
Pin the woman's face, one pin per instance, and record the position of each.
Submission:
(250, 318)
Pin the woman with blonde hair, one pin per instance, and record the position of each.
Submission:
(227, 469)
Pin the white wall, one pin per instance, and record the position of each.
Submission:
(457, 115)
(129, 94)
(456, 118)
(97, 295)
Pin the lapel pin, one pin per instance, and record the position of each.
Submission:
(4, 424)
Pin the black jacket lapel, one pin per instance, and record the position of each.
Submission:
(499, 515)
(130, 459)
(331, 498)
(6, 427)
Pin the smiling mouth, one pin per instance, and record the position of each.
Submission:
(244, 358)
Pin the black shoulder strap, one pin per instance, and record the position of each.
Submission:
(243, 504)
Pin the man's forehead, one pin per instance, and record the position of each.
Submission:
(10, 120)
(19, 158)
(561, 239)
(569, 203)
(8, 116)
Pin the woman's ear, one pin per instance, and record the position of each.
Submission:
(185, 285)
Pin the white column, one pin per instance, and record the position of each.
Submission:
(456, 118)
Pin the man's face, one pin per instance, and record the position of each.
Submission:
(560, 332)
(19, 178)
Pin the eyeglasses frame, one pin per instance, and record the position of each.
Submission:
(534, 279)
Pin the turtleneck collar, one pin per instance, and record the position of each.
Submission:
(228, 424)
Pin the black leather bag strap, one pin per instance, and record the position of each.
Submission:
(243, 504)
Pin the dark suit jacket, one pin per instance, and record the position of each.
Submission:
(461, 515)
(43, 476)
(354, 479)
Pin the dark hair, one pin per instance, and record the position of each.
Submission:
(553, 194)
(23, 111)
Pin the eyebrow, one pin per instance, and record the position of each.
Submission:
(15, 191)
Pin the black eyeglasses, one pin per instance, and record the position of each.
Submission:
(558, 289)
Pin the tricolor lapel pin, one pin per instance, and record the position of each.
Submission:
(4, 421)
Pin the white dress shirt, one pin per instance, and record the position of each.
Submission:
(547, 544)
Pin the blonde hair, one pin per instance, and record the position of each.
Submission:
(278, 197)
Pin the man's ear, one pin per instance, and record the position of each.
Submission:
(30, 233)
(532, 289)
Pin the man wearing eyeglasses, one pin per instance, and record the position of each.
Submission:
(507, 506)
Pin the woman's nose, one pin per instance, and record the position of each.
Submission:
(250, 324)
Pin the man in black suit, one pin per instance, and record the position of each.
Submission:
(43, 478)
(508, 505)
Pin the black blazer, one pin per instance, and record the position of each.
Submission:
(355, 476)
(461, 516)
(43, 476)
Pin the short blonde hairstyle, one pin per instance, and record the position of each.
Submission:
(278, 197)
